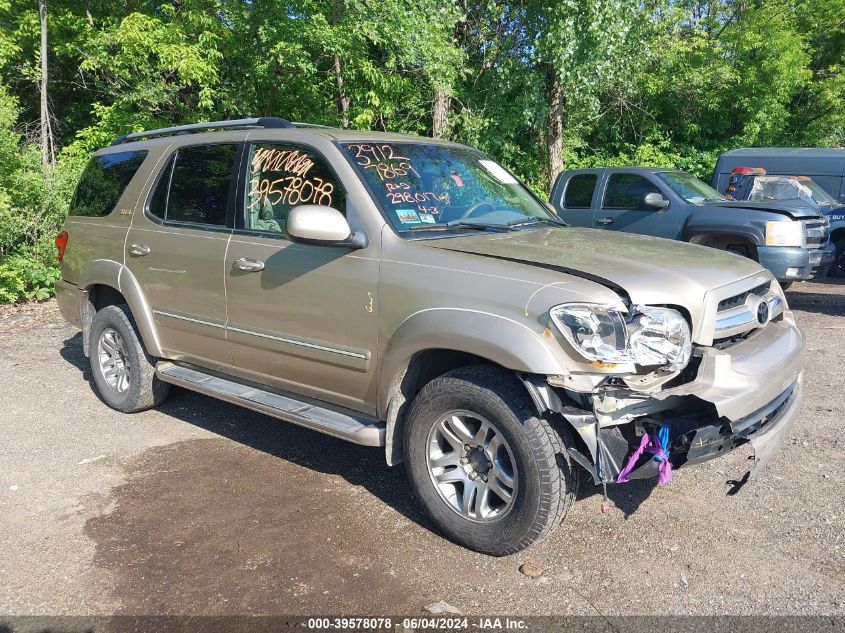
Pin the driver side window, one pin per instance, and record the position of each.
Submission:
(628, 191)
(281, 177)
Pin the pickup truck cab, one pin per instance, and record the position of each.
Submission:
(411, 294)
(792, 241)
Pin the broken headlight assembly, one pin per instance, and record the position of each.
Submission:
(649, 337)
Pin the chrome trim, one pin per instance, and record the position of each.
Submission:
(185, 318)
(735, 320)
(322, 348)
(339, 422)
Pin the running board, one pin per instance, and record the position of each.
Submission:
(333, 422)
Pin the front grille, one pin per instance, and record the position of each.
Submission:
(817, 231)
(738, 300)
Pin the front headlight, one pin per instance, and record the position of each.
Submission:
(660, 336)
(784, 233)
(648, 337)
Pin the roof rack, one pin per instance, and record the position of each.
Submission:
(265, 122)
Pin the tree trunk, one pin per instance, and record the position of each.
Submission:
(440, 114)
(48, 151)
(555, 127)
(342, 99)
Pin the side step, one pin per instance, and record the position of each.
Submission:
(333, 422)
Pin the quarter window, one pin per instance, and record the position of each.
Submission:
(627, 191)
(281, 177)
(103, 181)
(579, 191)
(195, 185)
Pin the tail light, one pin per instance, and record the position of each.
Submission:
(61, 243)
(747, 171)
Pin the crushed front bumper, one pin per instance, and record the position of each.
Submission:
(748, 392)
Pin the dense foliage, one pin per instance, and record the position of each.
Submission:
(539, 85)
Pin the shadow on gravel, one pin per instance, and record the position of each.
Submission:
(358, 465)
(72, 352)
(829, 303)
(261, 524)
(208, 526)
(627, 497)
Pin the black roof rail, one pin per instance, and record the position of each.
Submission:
(264, 122)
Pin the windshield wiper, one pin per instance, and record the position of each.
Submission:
(530, 219)
(454, 224)
(481, 226)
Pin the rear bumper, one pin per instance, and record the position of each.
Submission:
(67, 297)
(795, 263)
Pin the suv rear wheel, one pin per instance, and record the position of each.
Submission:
(123, 371)
(493, 476)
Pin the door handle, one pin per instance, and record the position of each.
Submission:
(139, 249)
(249, 265)
(605, 221)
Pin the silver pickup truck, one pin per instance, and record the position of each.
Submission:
(412, 294)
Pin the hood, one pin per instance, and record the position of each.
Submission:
(650, 270)
(794, 208)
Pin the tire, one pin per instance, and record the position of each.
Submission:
(838, 268)
(115, 346)
(543, 484)
(785, 285)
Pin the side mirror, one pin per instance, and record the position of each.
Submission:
(322, 226)
(655, 200)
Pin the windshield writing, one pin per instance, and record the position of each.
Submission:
(419, 184)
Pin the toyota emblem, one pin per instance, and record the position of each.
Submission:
(762, 313)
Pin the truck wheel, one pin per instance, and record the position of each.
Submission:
(838, 268)
(123, 371)
(493, 476)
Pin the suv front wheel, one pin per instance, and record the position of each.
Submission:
(493, 475)
(123, 371)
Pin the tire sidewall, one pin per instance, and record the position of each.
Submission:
(838, 268)
(498, 534)
(114, 317)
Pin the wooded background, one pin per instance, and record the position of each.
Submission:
(539, 85)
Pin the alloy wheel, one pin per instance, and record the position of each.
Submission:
(472, 466)
(114, 362)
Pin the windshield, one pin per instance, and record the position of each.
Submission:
(427, 186)
(819, 195)
(689, 187)
(789, 187)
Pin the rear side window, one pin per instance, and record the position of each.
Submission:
(195, 185)
(579, 191)
(103, 181)
(627, 191)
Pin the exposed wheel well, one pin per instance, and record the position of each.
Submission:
(99, 296)
(837, 235)
(733, 243)
(422, 368)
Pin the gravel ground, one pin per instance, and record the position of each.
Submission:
(200, 507)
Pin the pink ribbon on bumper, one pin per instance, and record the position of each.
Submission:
(648, 444)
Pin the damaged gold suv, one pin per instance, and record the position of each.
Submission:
(412, 294)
